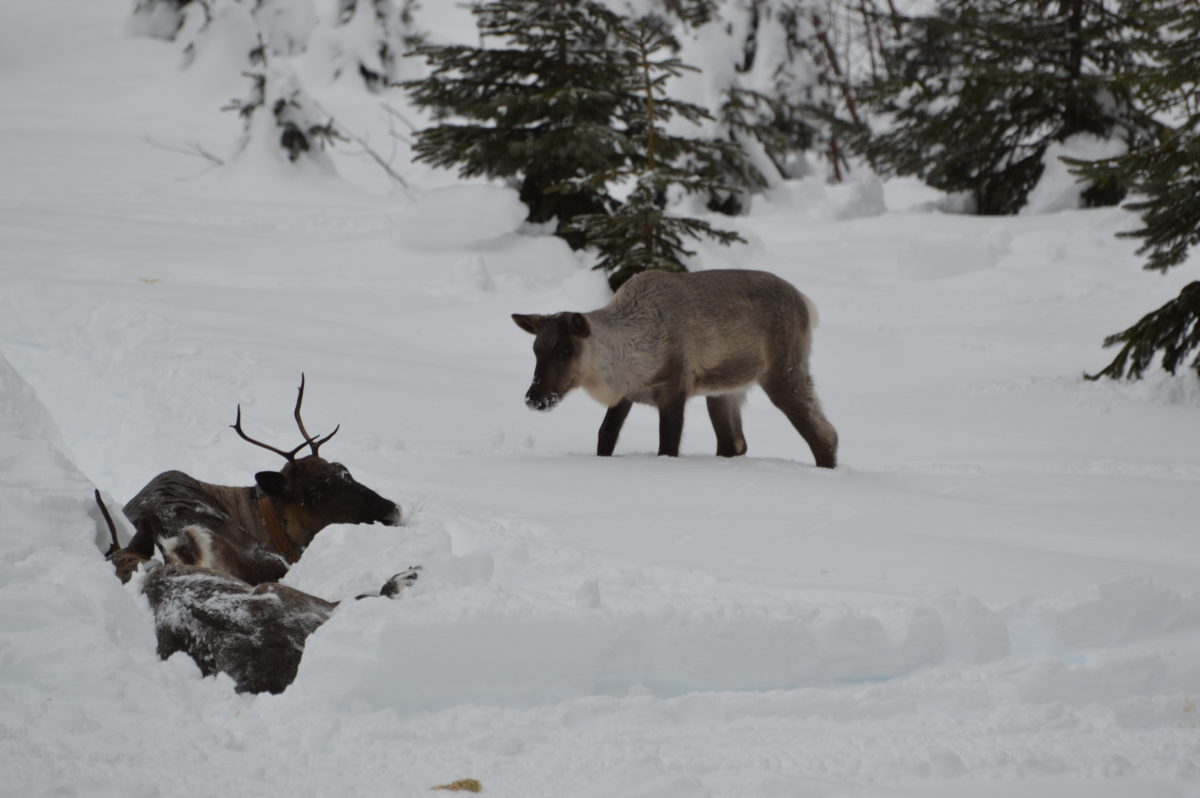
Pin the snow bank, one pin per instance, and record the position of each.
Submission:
(861, 196)
(458, 217)
(78, 671)
(493, 643)
(1058, 189)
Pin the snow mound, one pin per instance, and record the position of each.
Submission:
(1058, 189)
(511, 620)
(942, 257)
(1114, 613)
(459, 217)
(813, 199)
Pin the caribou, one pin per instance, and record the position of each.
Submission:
(216, 594)
(665, 337)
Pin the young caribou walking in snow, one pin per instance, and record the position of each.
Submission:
(666, 337)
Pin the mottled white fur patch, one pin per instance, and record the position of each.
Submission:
(200, 539)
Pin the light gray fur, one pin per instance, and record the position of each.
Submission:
(708, 319)
(665, 337)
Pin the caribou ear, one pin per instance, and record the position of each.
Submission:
(271, 483)
(578, 324)
(528, 323)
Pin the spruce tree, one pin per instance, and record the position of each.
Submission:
(978, 89)
(785, 97)
(691, 12)
(640, 234)
(765, 100)
(280, 117)
(372, 36)
(534, 104)
(1166, 176)
(781, 128)
(160, 19)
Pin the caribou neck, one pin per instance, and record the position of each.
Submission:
(252, 513)
(621, 354)
(276, 534)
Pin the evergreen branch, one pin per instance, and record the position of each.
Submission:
(189, 148)
(338, 130)
(391, 111)
(1173, 329)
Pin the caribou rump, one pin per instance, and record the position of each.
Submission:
(216, 596)
(665, 337)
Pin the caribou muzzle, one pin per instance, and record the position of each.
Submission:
(391, 517)
(370, 507)
(539, 400)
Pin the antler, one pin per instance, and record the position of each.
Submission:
(112, 528)
(315, 444)
(291, 456)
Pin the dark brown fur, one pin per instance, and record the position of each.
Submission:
(217, 596)
(255, 634)
(667, 337)
(308, 495)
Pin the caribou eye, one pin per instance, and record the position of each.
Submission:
(566, 351)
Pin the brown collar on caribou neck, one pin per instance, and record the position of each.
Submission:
(279, 539)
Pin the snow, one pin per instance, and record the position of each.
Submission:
(994, 595)
(1057, 189)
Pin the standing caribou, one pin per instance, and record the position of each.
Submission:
(666, 337)
(217, 596)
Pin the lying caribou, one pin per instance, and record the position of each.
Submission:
(216, 596)
(665, 337)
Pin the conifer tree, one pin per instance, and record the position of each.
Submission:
(640, 234)
(691, 12)
(786, 97)
(781, 128)
(372, 36)
(280, 117)
(535, 104)
(1166, 176)
(160, 19)
(977, 90)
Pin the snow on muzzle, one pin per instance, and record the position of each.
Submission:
(541, 401)
(538, 398)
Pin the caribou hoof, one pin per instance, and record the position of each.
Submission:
(400, 582)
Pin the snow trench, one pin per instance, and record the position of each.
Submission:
(490, 637)
(504, 617)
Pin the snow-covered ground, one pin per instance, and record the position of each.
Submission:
(995, 595)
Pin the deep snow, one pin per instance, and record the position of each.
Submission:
(994, 595)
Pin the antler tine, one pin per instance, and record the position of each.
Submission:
(308, 439)
(112, 528)
(317, 444)
(237, 427)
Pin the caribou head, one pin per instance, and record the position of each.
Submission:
(309, 493)
(239, 530)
